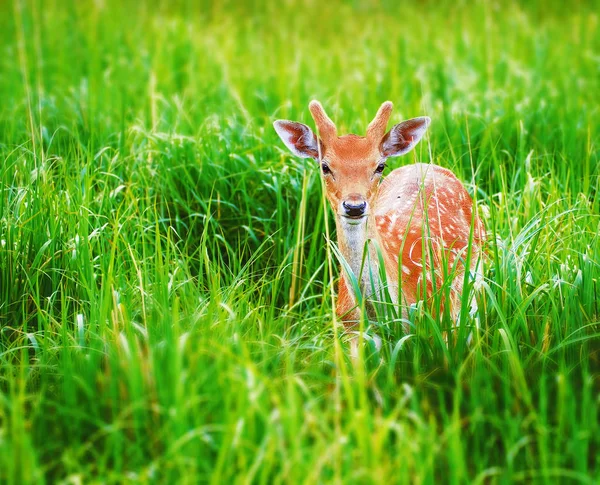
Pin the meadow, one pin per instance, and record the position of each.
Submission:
(167, 268)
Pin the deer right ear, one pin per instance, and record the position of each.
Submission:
(299, 138)
(403, 137)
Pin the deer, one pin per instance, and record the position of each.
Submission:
(420, 219)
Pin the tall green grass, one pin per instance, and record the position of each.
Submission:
(166, 267)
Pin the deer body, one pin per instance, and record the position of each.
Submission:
(418, 207)
(420, 216)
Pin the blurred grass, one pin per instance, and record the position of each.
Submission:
(165, 298)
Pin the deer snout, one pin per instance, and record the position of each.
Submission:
(354, 206)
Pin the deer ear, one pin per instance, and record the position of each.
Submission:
(299, 138)
(403, 137)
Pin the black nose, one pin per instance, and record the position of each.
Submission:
(354, 209)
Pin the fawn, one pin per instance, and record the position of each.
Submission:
(420, 216)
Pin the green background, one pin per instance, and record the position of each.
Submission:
(165, 272)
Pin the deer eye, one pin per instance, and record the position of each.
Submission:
(380, 168)
(325, 168)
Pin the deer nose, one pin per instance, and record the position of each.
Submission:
(354, 208)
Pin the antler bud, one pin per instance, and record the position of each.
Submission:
(376, 129)
(327, 129)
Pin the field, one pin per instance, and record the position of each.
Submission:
(168, 268)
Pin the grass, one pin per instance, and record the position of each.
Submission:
(166, 297)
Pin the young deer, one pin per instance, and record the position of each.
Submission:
(420, 216)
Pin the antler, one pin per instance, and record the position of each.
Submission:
(376, 129)
(327, 129)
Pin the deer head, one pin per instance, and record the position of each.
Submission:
(351, 165)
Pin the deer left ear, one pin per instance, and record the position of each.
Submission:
(299, 138)
(403, 137)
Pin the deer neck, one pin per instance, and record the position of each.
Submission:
(352, 237)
